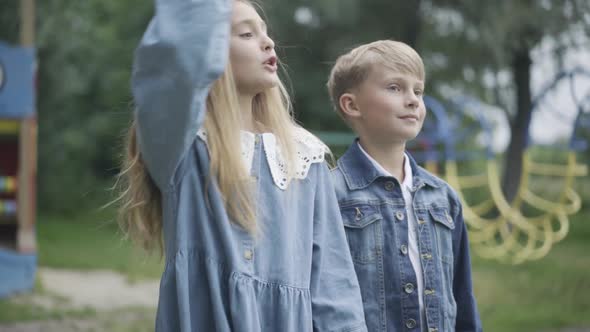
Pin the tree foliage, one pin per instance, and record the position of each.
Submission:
(85, 50)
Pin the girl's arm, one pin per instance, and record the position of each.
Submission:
(184, 49)
(335, 292)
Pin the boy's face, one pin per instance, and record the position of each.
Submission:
(389, 107)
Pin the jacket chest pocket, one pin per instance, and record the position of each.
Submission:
(443, 227)
(362, 224)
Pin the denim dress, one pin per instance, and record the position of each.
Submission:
(376, 223)
(297, 274)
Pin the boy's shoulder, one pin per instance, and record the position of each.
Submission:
(443, 189)
(434, 179)
(437, 181)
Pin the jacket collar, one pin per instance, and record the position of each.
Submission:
(359, 172)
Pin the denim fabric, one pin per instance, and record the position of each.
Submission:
(297, 274)
(374, 216)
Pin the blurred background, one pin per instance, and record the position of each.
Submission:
(509, 83)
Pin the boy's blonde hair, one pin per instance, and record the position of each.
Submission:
(353, 68)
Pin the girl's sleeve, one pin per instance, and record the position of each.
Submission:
(335, 292)
(183, 51)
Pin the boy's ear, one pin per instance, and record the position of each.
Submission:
(349, 106)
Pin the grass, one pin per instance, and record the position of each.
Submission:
(89, 241)
(19, 309)
(17, 312)
(93, 241)
(550, 293)
(544, 295)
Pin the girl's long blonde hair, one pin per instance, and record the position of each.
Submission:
(140, 209)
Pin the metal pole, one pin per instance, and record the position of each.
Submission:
(26, 241)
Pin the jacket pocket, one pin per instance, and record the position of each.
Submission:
(362, 224)
(443, 226)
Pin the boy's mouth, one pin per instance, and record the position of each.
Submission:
(409, 117)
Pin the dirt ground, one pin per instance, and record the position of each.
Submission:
(114, 303)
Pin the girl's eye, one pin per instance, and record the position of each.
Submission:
(394, 88)
(247, 35)
(418, 92)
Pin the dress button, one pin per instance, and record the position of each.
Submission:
(409, 288)
(248, 254)
(411, 323)
(433, 329)
(389, 186)
(399, 215)
(404, 249)
(257, 139)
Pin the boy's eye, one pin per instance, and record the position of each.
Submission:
(247, 35)
(394, 87)
(418, 92)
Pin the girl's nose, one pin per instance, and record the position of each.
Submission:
(268, 44)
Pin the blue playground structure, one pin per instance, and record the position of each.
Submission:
(499, 228)
(18, 257)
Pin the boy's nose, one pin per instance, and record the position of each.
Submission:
(413, 101)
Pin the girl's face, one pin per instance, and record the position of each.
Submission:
(252, 54)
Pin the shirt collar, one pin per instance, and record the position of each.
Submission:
(359, 172)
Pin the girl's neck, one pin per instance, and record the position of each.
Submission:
(389, 155)
(245, 103)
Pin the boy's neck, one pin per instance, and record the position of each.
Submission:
(390, 156)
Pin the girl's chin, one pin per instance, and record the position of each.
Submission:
(259, 86)
(267, 84)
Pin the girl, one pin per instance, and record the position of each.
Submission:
(252, 233)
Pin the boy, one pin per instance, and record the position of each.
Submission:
(404, 226)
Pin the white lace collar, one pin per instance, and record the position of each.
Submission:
(309, 150)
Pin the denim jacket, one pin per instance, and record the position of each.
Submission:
(374, 216)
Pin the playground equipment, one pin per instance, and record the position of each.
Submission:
(18, 150)
(528, 226)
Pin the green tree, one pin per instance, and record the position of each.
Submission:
(496, 37)
(326, 29)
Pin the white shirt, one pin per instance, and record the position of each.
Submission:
(413, 249)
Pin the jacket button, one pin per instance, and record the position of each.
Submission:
(449, 219)
(411, 323)
(399, 215)
(389, 186)
(433, 329)
(248, 254)
(426, 256)
(404, 249)
(409, 288)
